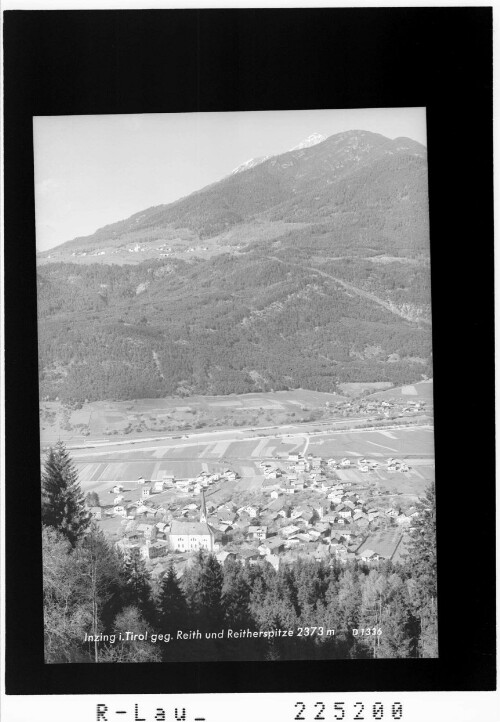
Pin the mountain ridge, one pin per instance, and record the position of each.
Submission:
(307, 270)
(280, 175)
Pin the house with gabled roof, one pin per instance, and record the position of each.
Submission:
(270, 485)
(274, 560)
(361, 522)
(125, 544)
(147, 530)
(287, 531)
(322, 527)
(153, 550)
(224, 557)
(272, 545)
(257, 532)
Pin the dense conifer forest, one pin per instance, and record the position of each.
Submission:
(234, 324)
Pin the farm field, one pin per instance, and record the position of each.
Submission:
(187, 458)
(379, 443)
(126, 419)
(422, 391)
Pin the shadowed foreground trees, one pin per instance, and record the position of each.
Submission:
(88, 593)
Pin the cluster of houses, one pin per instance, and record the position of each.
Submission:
(382, 407)
(187, 487)
(395, 465)
(335, 523)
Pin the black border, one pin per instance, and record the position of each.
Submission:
(91, 62)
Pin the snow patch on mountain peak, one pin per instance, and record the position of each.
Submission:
(250, 164)
(311, 140)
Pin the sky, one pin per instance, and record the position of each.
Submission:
(91, 170)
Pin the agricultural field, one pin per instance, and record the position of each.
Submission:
(356, 388)
(186, 458)
(377, 443)
(145, 417)
(422, 391)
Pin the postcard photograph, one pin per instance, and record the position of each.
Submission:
(236, 386)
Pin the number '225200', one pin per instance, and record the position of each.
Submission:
(339, 711)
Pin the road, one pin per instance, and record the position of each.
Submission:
(302, 428)
(354, 289)
(93, 455)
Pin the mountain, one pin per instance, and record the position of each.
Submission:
(307, 143)
(250, 164)
(378, 177)
(311, 140)
(309, 269)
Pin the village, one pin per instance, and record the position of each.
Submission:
(307, 508)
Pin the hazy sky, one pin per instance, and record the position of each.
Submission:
(91, 170)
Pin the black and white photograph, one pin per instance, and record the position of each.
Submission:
(249, 364)
(236, 386)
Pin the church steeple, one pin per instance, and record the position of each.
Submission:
(203, 510)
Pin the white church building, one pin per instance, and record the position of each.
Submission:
(191, 536)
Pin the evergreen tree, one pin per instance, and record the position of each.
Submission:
(137, 592)
(63, 506)
(210, 592)
(172, 606)
(423, 566)
(398, 624)
(422, 547)
(236, 597)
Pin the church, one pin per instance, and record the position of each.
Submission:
(191, 536)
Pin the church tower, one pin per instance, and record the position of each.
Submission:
(203, 510)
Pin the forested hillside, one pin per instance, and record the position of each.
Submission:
(326, 281)
(231, 325)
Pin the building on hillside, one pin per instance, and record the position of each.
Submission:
(191, 536)
(257, 532)
(153, 550)
(96, 512)
(147, 530)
